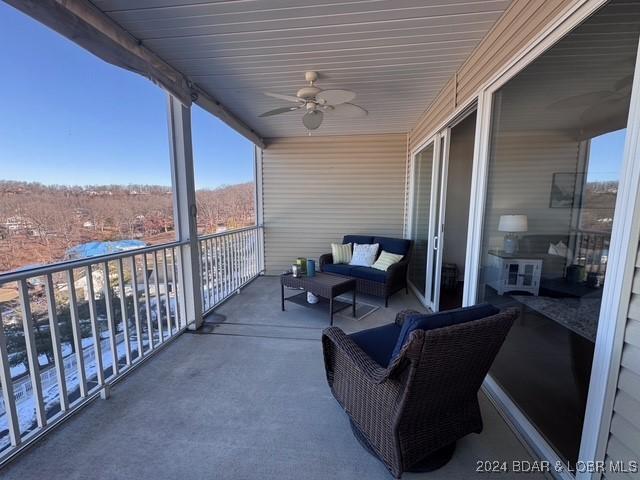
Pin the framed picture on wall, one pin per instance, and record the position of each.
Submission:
(566, 189)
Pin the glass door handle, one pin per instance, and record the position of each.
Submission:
(436, 242)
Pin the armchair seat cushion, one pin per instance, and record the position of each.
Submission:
(378, 342)
(339, 268)
(369, 273)
(431, 321)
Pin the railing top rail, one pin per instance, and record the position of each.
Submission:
(83, 262)
(228, 232)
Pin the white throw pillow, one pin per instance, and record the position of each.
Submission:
(559, 249)
(364, 255)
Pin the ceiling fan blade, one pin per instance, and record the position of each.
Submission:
(624, 83)
(583, 100)
(312, 119)
(613, 108)
(335, 97)
(288, 98)
(349, 110)
(277, 111)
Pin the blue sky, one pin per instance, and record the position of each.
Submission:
(69, 118)
(605, 156)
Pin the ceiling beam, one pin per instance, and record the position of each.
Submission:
(81, 22)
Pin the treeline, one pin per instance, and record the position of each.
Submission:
(39, 223)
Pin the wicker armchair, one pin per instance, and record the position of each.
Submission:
(410, 413)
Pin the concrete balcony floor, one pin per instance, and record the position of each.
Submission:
(248, 400)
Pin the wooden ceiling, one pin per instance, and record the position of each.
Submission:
(395, 54)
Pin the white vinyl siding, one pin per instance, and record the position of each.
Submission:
(317, 189)
(624, 439)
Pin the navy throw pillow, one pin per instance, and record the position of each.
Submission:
(431, 321)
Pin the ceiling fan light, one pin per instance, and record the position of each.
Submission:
(313, 119)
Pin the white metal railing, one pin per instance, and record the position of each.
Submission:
(95, 319)
(229, 261)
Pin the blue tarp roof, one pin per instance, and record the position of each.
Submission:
(93, 249)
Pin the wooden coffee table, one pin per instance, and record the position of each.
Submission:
(324, 285)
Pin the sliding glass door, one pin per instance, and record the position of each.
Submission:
(426, 222)
(422, 178)
(556, 149)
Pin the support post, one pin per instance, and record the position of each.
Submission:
(258, 178)
(185, 211)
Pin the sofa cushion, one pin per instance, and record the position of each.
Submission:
(357, 239)
(431, 321)
(369, 273)
(339, 268)
(378, 342)
(399, 246)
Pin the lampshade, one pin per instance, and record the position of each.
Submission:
(513, 223)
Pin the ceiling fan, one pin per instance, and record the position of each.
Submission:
(317, 102)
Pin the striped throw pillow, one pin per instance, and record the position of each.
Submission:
(341, 253)
(385, 260)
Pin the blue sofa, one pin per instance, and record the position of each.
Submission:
(370, 280)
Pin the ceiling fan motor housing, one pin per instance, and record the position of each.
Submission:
(308, 93)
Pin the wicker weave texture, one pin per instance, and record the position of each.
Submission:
(426, 398)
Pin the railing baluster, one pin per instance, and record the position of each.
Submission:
(167, 305)
(228, 261)
(174, 276)
(108, 299)
(238, 259)
(234, 261)
(209, 275)
(247, 241)
(95, 328)
(219, 269)
(6, 384)
(55, 342)
(212, 252)
(214, 263)
(242, 254)
(147, 300)
(32, 352)
(205, 273)
(156, 274)
(203, 269)
(76, 331)
(136, 306)
(124, 313)
(256, 250)
(180, 292)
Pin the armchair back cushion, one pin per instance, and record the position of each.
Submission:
(399, 246)
(431, 321)
(378, 342)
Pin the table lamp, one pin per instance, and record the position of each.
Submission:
(512, 224)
